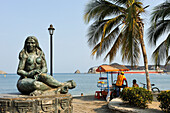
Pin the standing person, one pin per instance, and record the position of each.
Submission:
(119, 83)
(120, 80)
(135, 84)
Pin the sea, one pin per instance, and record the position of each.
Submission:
(86, 83)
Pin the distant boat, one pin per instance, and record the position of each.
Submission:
(143, 71)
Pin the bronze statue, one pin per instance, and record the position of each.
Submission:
(32, 69)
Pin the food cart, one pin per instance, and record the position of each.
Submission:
(107, 88)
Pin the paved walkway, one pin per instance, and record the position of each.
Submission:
(118, 105)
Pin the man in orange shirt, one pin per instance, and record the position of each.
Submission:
(119, 83)
(120, 80)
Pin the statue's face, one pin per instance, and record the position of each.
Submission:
(31, 45)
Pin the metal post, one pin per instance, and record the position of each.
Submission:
(51, 57)
(51, 30)
(108, 82)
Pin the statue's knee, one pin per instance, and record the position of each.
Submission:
(36, 84)
(42, 76)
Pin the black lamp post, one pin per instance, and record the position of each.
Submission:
(51, 31)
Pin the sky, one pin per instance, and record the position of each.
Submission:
(23, 18)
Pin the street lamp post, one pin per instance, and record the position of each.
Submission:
(51, 31)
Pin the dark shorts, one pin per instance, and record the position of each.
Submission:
(123, 86)
(118, 89)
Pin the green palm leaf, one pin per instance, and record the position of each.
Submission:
(117, 26)
(160, 25)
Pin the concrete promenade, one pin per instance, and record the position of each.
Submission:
(118, 105)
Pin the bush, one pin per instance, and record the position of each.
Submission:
(137, 96)
(164, 99)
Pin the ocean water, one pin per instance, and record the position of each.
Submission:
(86, 83)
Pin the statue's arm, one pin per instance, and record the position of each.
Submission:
(44, 65)
(24, 73)
(21, 67)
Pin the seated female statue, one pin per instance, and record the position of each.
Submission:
(32, 69)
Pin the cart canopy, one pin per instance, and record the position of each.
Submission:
(108, 68)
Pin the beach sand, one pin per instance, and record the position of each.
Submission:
(88, 104)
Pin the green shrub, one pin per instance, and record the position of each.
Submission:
(137, 96)
(164, 99)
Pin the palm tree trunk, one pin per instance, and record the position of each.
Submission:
(146, 64)
(145, 59)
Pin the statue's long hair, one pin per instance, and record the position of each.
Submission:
(38, 50)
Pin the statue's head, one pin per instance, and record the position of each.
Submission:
(31, 43)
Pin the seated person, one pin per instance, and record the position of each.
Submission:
(32, 70)
(135, 84)
(119, 83)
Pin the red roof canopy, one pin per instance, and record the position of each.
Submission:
(108, 68)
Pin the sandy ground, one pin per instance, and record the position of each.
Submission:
(88, 104)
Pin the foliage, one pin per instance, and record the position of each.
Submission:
(160, 25)
(137, 96)
(164, 99)
(117, 24)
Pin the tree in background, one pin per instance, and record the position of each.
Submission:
(117, 25)
(160, 25)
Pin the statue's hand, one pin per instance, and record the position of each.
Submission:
(36, 76)
(34, 72)
(37, 71)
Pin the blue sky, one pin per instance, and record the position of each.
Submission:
(23, 18)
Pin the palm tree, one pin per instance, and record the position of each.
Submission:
(117, 25)
(160, 25)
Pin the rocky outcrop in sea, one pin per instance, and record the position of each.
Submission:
(92, 70)
(2, 72)
(77, 71)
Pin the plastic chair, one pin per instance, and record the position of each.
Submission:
(98, 94)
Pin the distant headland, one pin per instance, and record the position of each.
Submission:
(138, 69)
(2, 72)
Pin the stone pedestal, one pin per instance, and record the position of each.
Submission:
(16, 103)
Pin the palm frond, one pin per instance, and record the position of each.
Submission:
(161, 51)
(99, 29)
(95, 32)
(130, 49)
(155, 31)
(116, 25)
(92, 9)
(120, 2)
(99, 9)
(114, 49)
(110, 9)
(109, 25)
(167, 60)
(106, 43)
(161, 11)
(131, 53)
(159, 54)
(167, 44)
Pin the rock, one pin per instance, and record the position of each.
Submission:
(93, 70)
(2, 72)
(77, 71)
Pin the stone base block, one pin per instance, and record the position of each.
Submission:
(16, 103)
